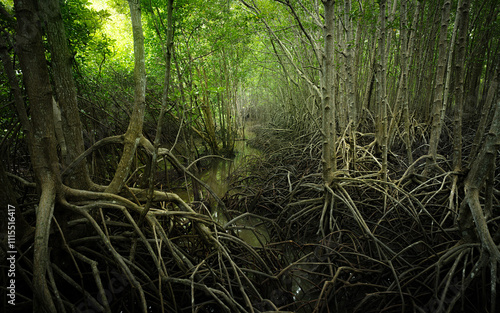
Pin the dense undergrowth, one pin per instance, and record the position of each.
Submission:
(382, 247)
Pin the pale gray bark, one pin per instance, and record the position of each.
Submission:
(482, 165)
(438, 104)
(134, 131)
(350, 51)
(382, 122)
(328, 159)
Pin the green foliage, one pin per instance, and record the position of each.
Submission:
(8, 4)
(212, 42)
(84, 26)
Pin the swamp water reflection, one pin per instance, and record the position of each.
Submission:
(249, 227)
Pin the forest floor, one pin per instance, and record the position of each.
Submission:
(273, 245)
(382, 247)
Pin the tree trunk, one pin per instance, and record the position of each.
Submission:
(406, 88)
(44, 157)
(382, 122)
(164, 102)
(18, 96)
(483, 121)
(370, 77)
(423, 89)
(402, 97)
(449, 63)
(439, 89)
(349, 65)
(459, 85)
(66, 93)
(6, 192)
(471, 213)
(207, 114)
(134, 131)
(329, 160)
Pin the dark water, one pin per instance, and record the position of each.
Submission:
(217, 176)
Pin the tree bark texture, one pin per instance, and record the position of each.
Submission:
(463, 10)
(65, 93)
(329, 160)
(134, 131)
(472, 213)
(44, 157)
(438, 103)
(382, 123)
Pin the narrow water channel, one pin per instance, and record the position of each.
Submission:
(249, 228)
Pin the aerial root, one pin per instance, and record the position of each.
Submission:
(387, 246)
